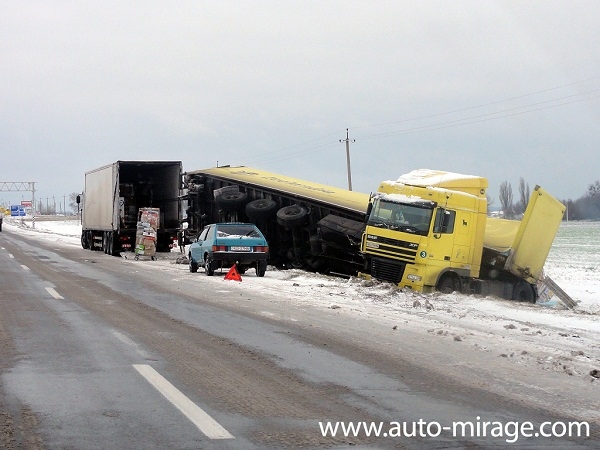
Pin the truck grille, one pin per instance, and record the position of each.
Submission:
(386, 270)
(392, 248)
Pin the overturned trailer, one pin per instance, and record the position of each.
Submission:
(308, 225)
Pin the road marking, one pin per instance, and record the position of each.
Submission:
(54, 294)
(206, 424)
(129, 342)
(24, 267)
(10, 255)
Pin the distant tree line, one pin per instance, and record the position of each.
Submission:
(587, 207)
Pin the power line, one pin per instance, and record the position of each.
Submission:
(264, 157)
(479, 106)
(483, 117)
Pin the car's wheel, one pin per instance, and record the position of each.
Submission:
(292, 216)
(261, 268)
(261, 208)
(193, 265)
(209, 268)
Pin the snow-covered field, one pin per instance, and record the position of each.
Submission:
(546, 338)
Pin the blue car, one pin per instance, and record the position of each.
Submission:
(221, 245)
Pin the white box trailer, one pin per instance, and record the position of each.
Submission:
(114, 195)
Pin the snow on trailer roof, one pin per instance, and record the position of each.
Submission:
(448, 180)
(351, 200)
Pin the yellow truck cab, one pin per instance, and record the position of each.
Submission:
(427, 230)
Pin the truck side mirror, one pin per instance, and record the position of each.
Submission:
(439, 221)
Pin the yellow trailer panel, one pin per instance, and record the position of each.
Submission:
(500, 234)
(354, 201)
(534, 238)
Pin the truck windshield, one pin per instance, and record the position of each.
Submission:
(402, 217)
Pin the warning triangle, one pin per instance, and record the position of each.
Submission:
(233, 274)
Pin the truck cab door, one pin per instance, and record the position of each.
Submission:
(462, 248)
(442, 246)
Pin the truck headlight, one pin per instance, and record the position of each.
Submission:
(413, 277)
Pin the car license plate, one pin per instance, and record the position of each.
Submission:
(240, 249)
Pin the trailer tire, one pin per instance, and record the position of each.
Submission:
(292, 216)
(523, 292)
(231, 201)
(261, 208)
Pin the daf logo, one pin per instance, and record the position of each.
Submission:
(413, 245)
(371, 237)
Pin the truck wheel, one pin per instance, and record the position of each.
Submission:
(292, 216)
(231, 201)
(85, 242)
(193, 265)
(447, 284)
(111, 245)
(523, 292)
(261, 208)
(209, 269)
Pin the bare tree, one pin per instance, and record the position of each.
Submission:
(506, 199)
(594, 189)
(73, 202)
(490, 202)
(524, 194)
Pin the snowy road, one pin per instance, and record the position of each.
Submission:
(269, 358)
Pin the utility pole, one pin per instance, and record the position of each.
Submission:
(347, 141)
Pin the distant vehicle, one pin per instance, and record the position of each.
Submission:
(225, 244)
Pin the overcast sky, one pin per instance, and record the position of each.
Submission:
(501, 89)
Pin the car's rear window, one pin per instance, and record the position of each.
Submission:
(237, 231)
